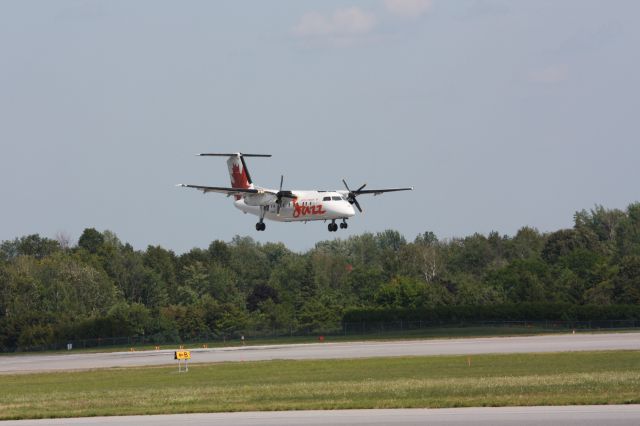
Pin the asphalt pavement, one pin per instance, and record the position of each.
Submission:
(466, 346)
(587, 415)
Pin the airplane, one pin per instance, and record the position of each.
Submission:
(285, 205)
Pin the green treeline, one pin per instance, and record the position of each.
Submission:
(52, 291)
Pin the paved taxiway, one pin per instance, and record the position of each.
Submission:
(587, 415)
(544, 343)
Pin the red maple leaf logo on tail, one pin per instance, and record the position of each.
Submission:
(239, 177)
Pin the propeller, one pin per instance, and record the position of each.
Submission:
(282, 194)
(351, 197)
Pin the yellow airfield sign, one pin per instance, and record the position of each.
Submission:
(182, 355)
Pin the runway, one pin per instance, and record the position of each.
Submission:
(467, 346)
(587, 415)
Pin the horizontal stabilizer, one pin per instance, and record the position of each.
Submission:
(235, 154)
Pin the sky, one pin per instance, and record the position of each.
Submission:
(501, 114)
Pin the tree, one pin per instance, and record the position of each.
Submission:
(319, 314)
(328, 272)
(73, 289)
(361, 249)
(427, 238)
(585, 264)
(249, 263)
(223, 284)
(275, 252)
(471, 254)
(422, 260)
(407, 292)
(522, 281)
(219, 252)
(260, 294)
(390, 239)
(527, 242)
(627, 282)
(124, 319)
(600, 221)
(232, 320)
(35, 336)
(364, 281)
(91, 240)
(271, 315)
(561, 243)
(32, 245)
(294, 281)
(195, 277)
(628, 233)
(190, 320)
(137, 283)
(163, 263)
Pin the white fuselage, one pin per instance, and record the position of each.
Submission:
(309, 205)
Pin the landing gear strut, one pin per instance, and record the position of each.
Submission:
(261, 226)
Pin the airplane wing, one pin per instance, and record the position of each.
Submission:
(352, 195)
(221, 190)
(381, 191)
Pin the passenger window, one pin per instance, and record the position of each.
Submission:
(326, 199)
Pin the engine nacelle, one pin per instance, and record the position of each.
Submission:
(263, 199)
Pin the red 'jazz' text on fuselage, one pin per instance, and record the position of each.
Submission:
(307, 210)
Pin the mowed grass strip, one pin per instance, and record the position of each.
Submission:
(440, 381)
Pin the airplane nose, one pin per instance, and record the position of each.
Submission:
(347, 210)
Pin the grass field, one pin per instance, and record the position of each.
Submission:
(442, 381)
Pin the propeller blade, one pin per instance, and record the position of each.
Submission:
(279, 196)
(351, 197)
(357, 205)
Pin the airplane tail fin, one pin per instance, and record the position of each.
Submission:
(238, 171)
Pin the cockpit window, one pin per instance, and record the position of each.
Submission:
(326, 199)
(337, 198)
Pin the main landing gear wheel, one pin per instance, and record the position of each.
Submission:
(333, 227)
(261, 226)
(344, 225)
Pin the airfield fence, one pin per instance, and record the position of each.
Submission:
(355, 329)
